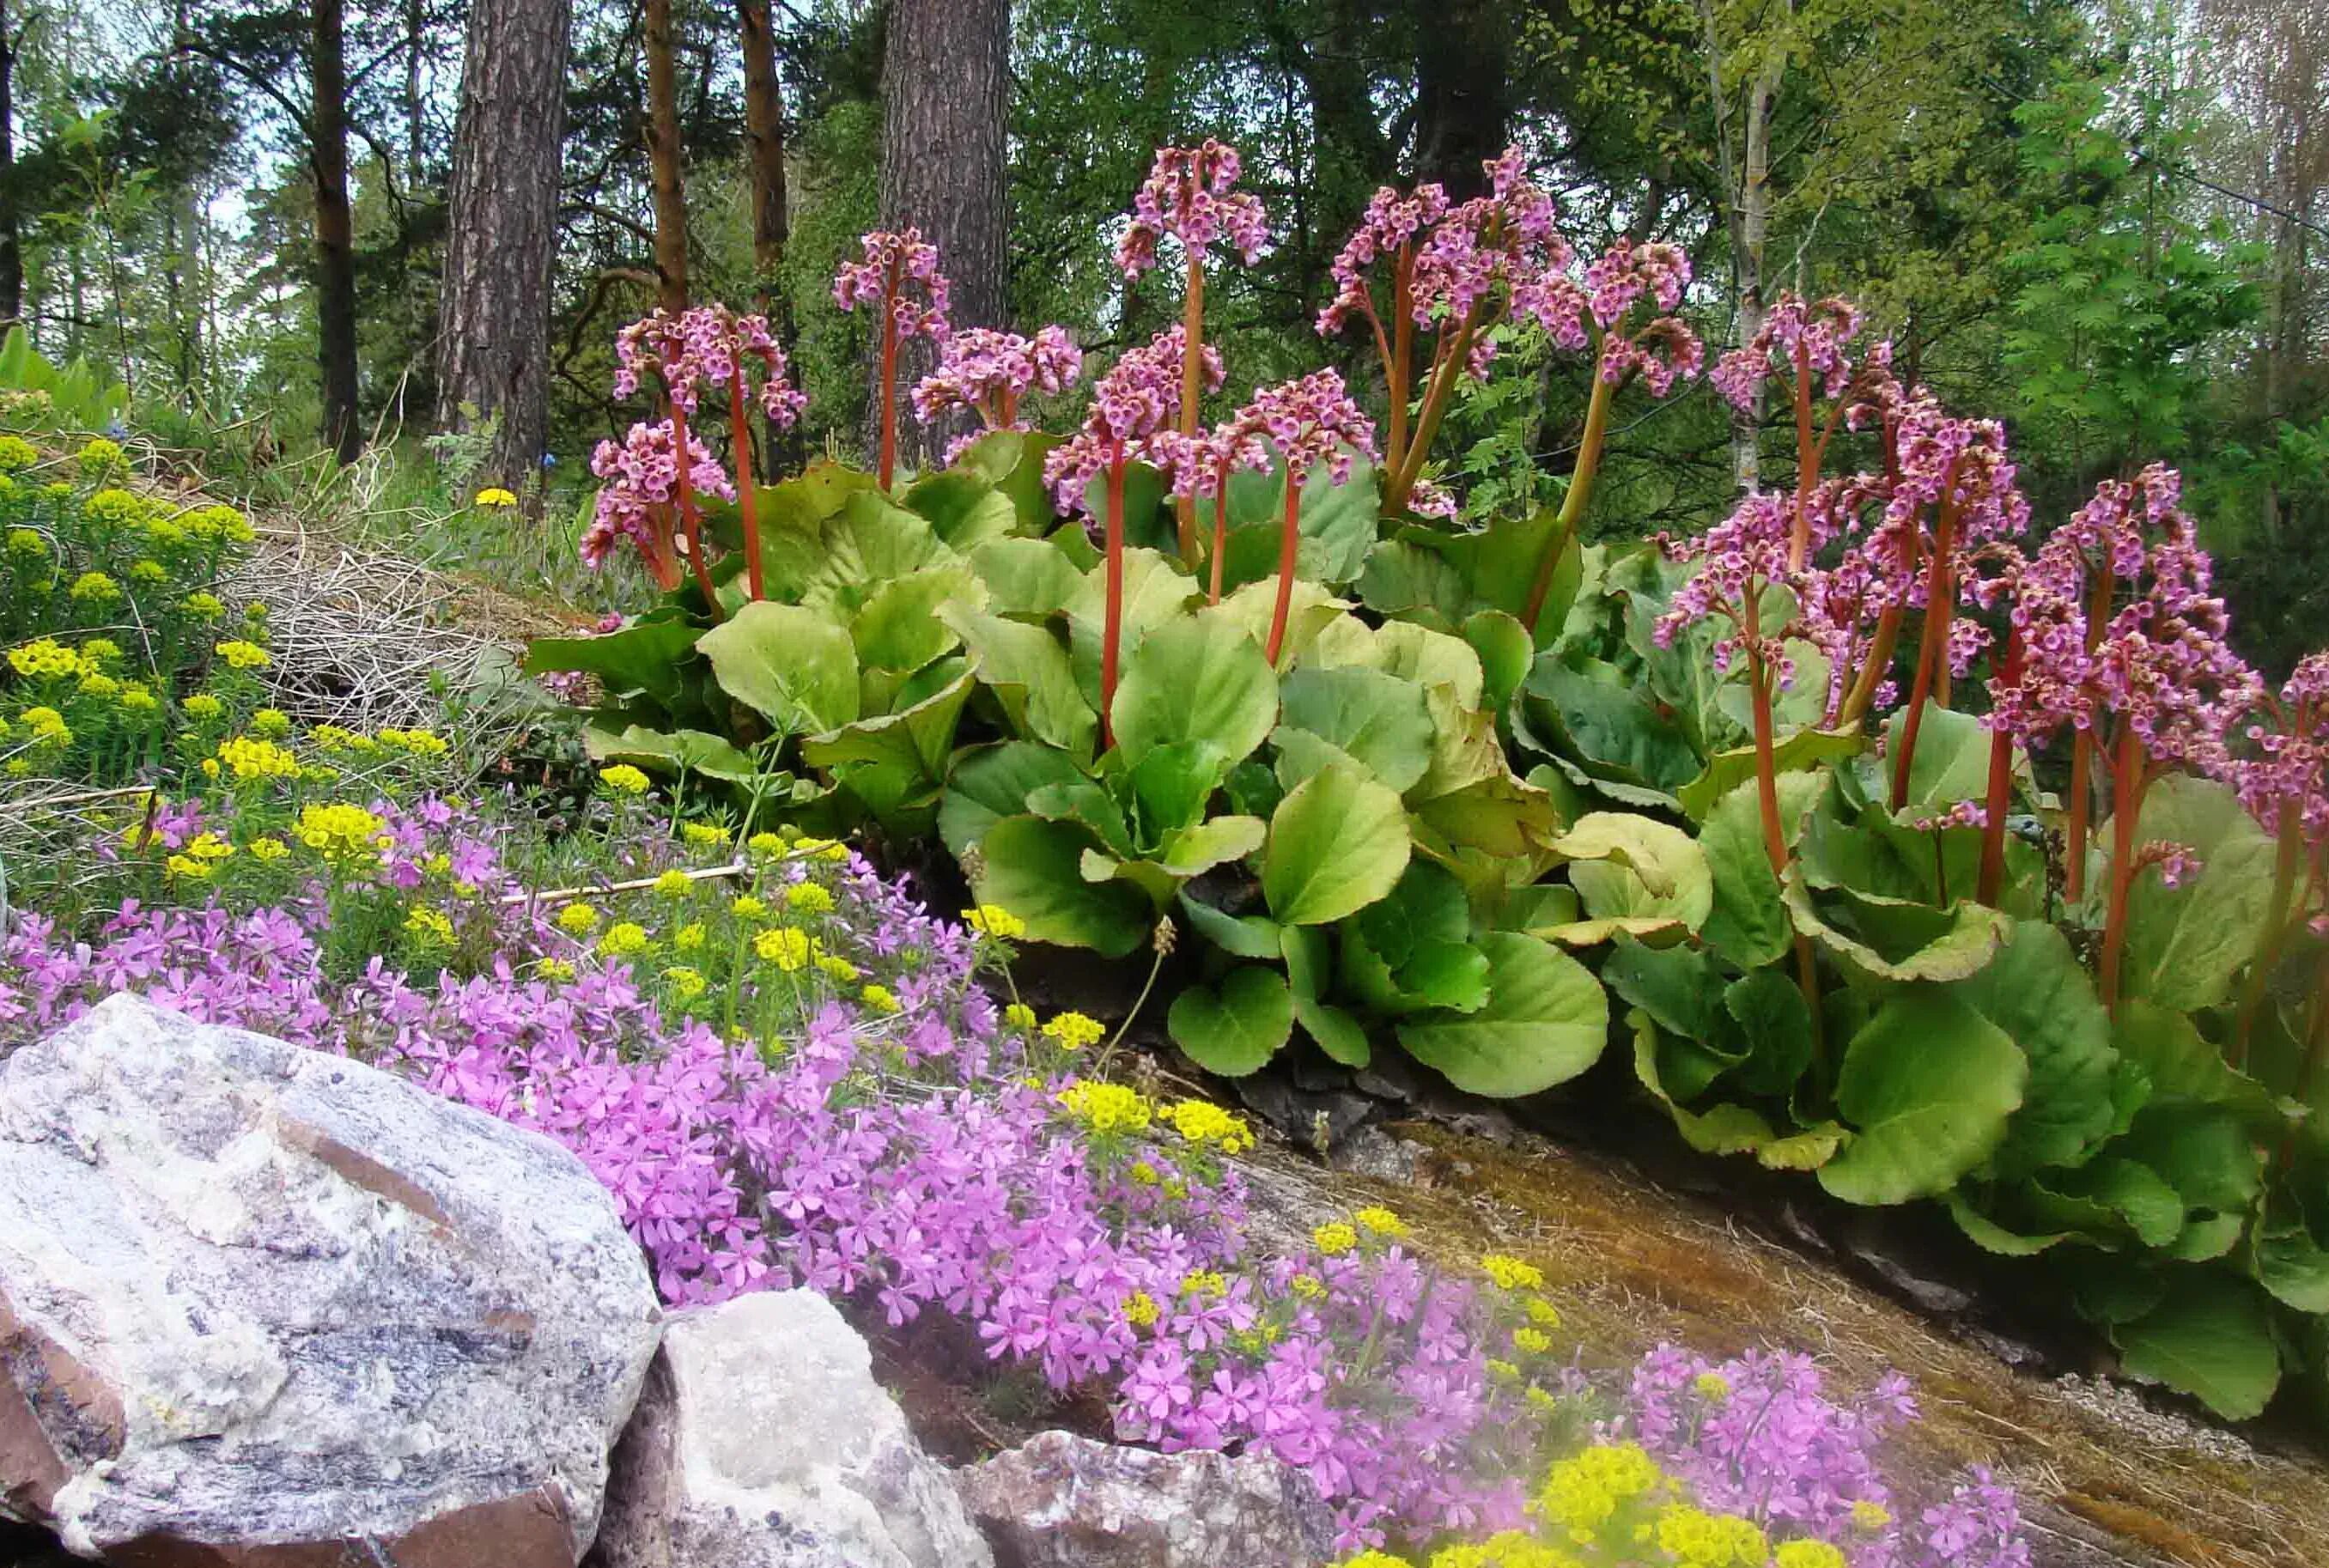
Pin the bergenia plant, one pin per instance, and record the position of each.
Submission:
(1455, 272)
(708, 347)
(898, 275)
(1309, 422)
(1661, 352)
(2285, 784)
(986, 372)
(1804, 345)
(1133, 415)
(1188, 195)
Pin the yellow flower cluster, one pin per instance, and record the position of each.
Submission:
(203, 605)
(244, 656)
(808, 897)
(1869, 1516)
(1695, 1539)
(203, 705)
(269, 849)
(1583, 1492)
(1512, 1273)
(766, 846)
(879, 998)
(674, 884)
(623, 780)
(270, 723)
(1139, 1308)
(1809, 1553)
(1506, 1549)
(246, 759)
(992, 919)
(1533, 1341)
(1106, 1107)
(1201, 1122)
(554, 969)
(688, 938)
(837, 967)
(624, 940)
(434, 927)
(220, 524)
(704, 834)
(16, 455)
(1380, 1222)
(1204, 1282)
(1072, 1031)
(47, 726)
(415, 742)
(45, 657)
(199, 858)
(494, 496)
(101, 458)
(95, 588)
(577, 919)
(786, 947)
(685, 984)
(1542, 1313)
(340, 832)
(1333, 1239)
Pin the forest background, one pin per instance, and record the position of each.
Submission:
(375, 252)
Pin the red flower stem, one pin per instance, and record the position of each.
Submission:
(691, 525)
(1289, 536)
(2127, 809)
(2082, 758)
(1112, 627)
(1220, 527)
(1455, 350)
(1403, 348)
(1775, 834)
(748, 502)
(890, 377)
(1940, 600)
(1572, 505)
(1192, 340)
(2278, 925)
(2000, 790)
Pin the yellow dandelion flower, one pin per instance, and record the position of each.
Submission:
(494, 495)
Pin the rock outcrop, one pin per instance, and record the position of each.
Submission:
(261, 1306)
(763, 1441)
(1062, 1501)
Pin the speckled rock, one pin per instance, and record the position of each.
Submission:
(1062, 1501)
(763, 1441)
(262, 1306)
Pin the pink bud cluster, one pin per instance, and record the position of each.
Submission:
(641, 473)
(1798, 333)
(1739, 559)
(2162, 663)
(1310, 421)
(1390, 223)
(1187, 195)
(2289, 766)
(1959, 465)
(890, 263)
(1663, 353)
(1504, 240)
(987, 372)
(708, 346)
(1134, 410)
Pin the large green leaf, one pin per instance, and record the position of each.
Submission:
(1026, 576)
(2184, 944)
(1235, 1028)
(2212, 1337)
(1189, 851)
(989, 785)
(1407, 579)
(1334, 1031)
(963, 505)
(1199, 679)
(1336, 843)
(1428, 658)
(1155, 590)
(900, 629)
(1426, 905)
(1725, 1127)
(1952, 761)
(1800, 752)
(692, 752)
(1313, 614)
(1379, 721)
(1748, 922)
(871, 543)
(896, 763)
(1613, 720)
(1546, 1021)
(1334, 525)
(2181, 1067)
(792, 664)
(1030, 677)
(2037, 991)
(645, 656)
(1629, 866)
(1898, 939)
(1926, 1087)
(1247, 936)
(1506, 653)
(1034, 869)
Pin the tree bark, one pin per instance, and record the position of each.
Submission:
(492, 349)
(1747, 214)
(12, 256)
(664, 159)
(945, 87)
(764, 141)
(1463, 107)
(335, 255)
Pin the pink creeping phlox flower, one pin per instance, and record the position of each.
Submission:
(1187, 195)
(986, 372)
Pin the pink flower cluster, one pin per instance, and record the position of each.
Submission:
(1739, 558)
(1503, 240)
(890, 263)
(1134, 408)
(2287, 768)
(1798, 337)
(1758, 1436)
(987, 372)
(710, 346)
(1310, 421)
(1389, 227)
(641, 471)
(1187, 195)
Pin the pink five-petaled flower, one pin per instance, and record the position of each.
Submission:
(1187, 195)
(987, 372)
(641, 493)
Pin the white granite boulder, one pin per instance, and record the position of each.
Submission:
(763, 1441)
(1062, 1501)
(264, 1307)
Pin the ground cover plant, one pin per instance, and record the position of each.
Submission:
(786, 1069)
(1910, 840)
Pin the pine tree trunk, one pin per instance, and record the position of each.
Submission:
(664, 159)
(494, 344)
(11, 258)
(764, 139)
(336, 253)
(944, 92)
